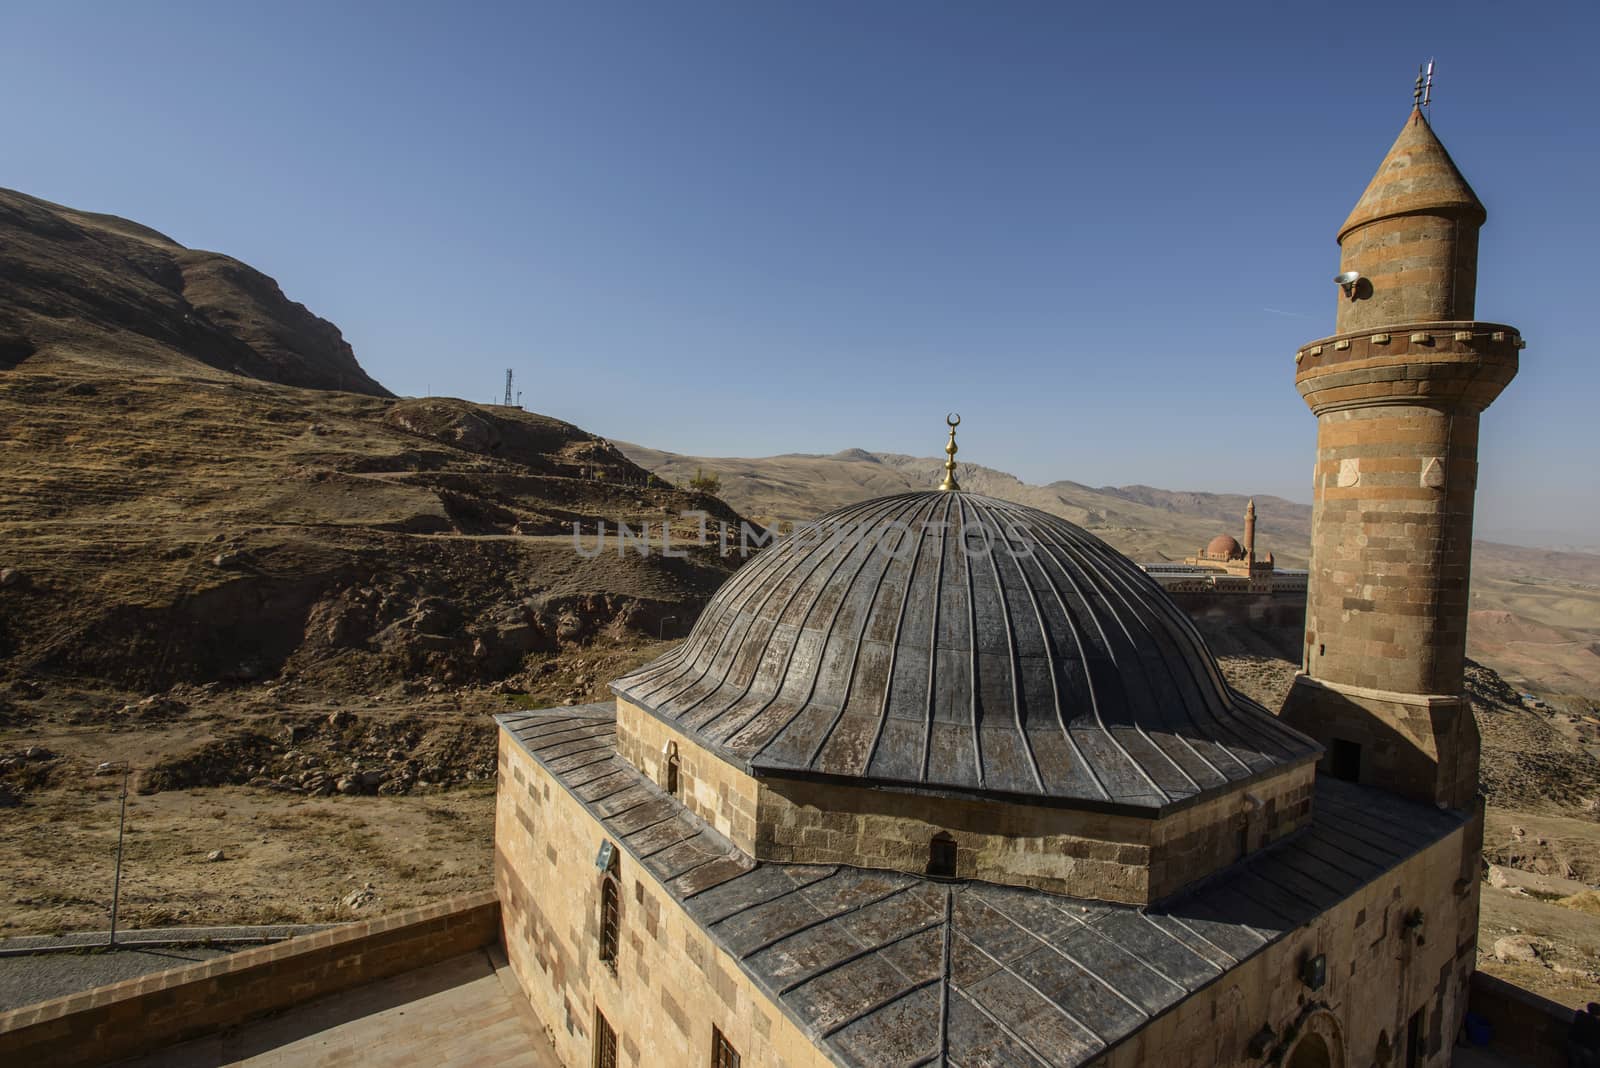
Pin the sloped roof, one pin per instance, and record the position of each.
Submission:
(1417, 175)
(884, 968)
(955, 642)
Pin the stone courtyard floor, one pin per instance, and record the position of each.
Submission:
(461, 1013)
(1474, 1057)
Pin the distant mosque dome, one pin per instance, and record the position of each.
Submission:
(1039, 663)
(1225, 547)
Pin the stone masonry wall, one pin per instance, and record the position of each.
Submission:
(1099, 855)
(1109, 857)
(670, 985)
(1391, 548)
(1280, 615)
(708, 786)
(1535, 1027)
(1419, 746)
(1383, 964)
(1416, 269)
(138, 1016)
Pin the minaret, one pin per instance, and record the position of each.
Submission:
(1250, 532)
(1397, 394)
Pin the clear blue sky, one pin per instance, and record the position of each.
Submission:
(1100, 232)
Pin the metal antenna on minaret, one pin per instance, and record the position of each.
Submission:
(1427, 87)
(1416, 94)
(508, 388)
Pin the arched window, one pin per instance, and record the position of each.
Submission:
(610, 918)
(942, 855)
(1311, 1052)
(670, 764)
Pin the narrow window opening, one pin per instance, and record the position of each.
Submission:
(1344, 760)
(723, 1055)
(672, 769)
(1414, 1040)
(942, 856)
(610, 914)
(605, 1042)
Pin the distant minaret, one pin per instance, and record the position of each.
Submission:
(1250, 531)
(1397, 394)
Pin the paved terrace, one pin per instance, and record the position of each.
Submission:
(461, 1013)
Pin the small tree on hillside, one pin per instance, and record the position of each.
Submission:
(704, 483)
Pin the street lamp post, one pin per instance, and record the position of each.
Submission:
(122, 822)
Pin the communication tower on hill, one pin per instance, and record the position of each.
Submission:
(508, 388)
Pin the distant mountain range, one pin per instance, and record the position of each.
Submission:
(1536, 612)
(1142, 521)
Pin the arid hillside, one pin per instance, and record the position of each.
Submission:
(1536, 612)
(157, 530)
(288, 600)
(199, 483)
(96, 290)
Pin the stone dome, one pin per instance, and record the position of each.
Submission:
(954, 643)
(1225, 547)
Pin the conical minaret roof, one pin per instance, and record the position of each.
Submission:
(1417, 175)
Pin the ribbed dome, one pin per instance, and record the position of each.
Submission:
(1225, 547)
(871, 647)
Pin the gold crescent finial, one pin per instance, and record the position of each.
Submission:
(952, 420)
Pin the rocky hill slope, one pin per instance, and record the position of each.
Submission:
(162, 529)
(81, 288)
(199, 483)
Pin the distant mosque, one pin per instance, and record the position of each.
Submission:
(1225, 553)
(1226, 579)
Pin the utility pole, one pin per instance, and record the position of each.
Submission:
(116, 883)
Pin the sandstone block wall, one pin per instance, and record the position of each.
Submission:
(669, 985)
(1391, 548)
(1105, 856)
(1110, 857)
(138, 1016)
(1533, 1028)
(1403, 944)
(1282, 614)
(1422, 747)
(708, 786)
(1417, 269)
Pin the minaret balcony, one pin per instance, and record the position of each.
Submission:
(1463, 364)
